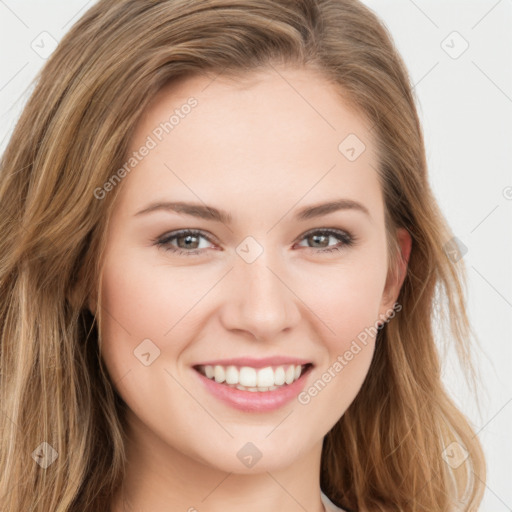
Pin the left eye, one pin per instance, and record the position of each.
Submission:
(189, 245)
(317, 235)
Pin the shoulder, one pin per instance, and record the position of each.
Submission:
(330, 506)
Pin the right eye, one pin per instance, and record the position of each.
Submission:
(189, 238)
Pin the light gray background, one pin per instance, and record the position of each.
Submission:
(465, 103)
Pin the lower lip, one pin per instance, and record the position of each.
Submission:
(255, 401)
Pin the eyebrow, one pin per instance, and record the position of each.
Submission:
(210, 213)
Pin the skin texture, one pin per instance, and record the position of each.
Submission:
(261, 150)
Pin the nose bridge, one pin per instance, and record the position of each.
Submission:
(260, 301)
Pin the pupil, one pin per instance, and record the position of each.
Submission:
(315, 237)
(188, 239)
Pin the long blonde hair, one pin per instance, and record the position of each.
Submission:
(388, 451)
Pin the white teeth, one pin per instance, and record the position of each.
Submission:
(265, 377)
(219, 373)
(231, 375)
(253, 379)
(247, 377)
(279, 376)
(290, 375)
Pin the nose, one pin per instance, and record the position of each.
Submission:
(259, 300)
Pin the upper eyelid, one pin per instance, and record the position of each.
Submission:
(334, 231)
(197, 232)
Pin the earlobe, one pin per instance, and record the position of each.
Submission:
(405, 243)
(396, 276)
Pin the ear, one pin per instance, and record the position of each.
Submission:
(396, 274)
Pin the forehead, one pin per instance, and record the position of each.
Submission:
(275, 135)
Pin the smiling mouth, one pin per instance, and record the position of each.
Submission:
(247, 378)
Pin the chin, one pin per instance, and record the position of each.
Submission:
(257, 456)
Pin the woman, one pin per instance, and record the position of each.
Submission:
(255, 369)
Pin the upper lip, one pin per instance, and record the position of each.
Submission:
(256, 363)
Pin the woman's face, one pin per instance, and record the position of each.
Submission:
(256, 290)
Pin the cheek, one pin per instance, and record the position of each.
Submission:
(136, 306)
(346, 304)
(145, 311)
(346, 298)
(347, 307)
(142, 301)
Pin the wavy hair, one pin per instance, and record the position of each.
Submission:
(387, 452)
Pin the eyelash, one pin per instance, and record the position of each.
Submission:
(164, 242)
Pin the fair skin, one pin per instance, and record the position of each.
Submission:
(261, 152)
